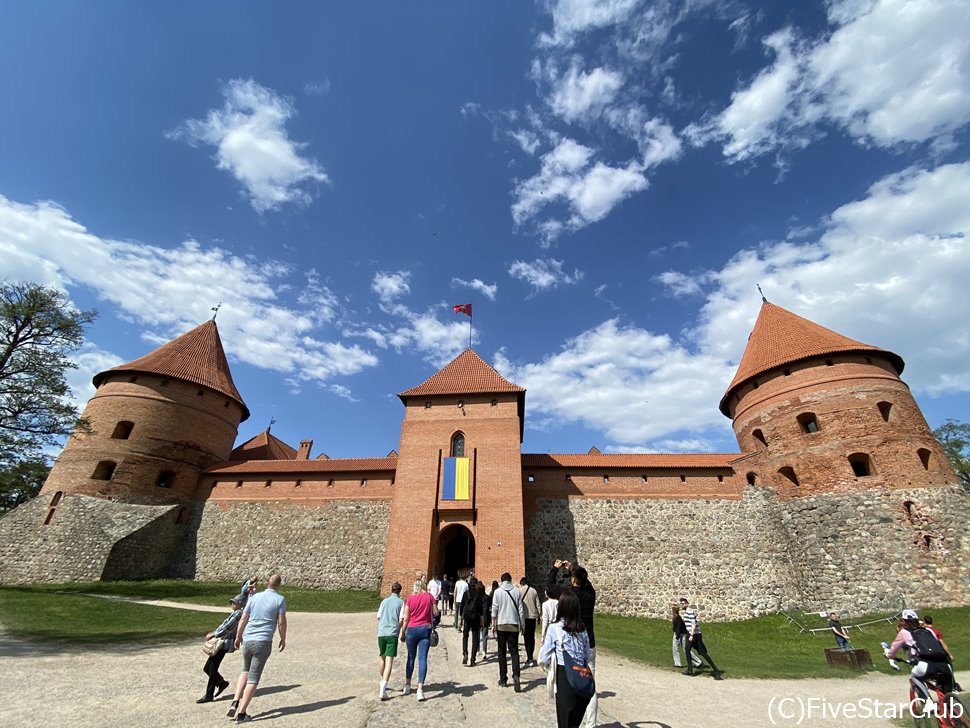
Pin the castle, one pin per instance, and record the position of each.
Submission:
(840, 497)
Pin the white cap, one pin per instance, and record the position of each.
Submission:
(910, 614)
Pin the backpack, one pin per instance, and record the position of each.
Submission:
(578, 674)
(928, 647)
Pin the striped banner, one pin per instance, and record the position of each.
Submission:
(454, 485)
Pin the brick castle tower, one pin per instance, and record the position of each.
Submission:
(467, 409)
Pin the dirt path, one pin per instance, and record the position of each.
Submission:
(327, 676)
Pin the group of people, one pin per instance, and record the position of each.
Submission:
(928, 653)
(505, 612)
(688, 637)
(252, 624)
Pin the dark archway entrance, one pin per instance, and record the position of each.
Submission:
(457, 549)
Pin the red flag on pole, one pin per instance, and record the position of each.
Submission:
(465, 308)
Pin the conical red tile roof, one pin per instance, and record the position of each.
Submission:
(780, 337)
(264, 446)
(196, 356)
(466, 374)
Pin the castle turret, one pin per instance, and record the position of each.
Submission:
(822, 412)
(154, 424)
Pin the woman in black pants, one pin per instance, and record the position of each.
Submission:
(567, 634)
(227, 633)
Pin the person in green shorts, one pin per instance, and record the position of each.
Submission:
(388, 630)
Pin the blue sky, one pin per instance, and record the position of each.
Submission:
(605, 181)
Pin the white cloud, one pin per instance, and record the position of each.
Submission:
(544, 273)
(489, 291)
(888, 270)
(890, 72)
(169, 290)
(391, 286)
(317, 88)
(249, 133)
(573, 17)
(577, 94)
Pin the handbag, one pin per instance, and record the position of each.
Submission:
(434, 638)
(212, 645)
(578, 674)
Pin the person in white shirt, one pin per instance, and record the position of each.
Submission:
(549, 617)
(461, 587)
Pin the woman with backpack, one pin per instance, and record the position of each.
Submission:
(932, 661)
(567, 643)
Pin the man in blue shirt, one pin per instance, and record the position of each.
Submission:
(264, 612)
(388, 630)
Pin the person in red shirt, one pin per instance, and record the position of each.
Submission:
(418, 616)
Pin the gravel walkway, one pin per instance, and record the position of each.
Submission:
(327, 676)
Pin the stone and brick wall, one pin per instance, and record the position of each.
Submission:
(326, 544)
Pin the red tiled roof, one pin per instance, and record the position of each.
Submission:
(632, 460)
(780, 337)
(336, 465)
(466, 374)
(196, 356)
(264, 446)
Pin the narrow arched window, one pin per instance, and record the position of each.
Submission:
(752, 478)
(808, 422)
(925, 457)
(104, 470)
(57, 498)
(123, 430)
(760, 437)
(788, 473)
(458, 445)
(861, 464)
(885, 409)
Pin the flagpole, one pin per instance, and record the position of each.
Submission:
(470, 319)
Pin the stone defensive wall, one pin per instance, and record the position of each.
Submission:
(60, 538)
(325, 530)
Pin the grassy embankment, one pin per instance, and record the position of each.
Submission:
(767, 647)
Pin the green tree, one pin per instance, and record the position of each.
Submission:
(21, 481)
(39, 328)
(955, 438)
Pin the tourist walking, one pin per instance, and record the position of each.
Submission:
(417, 617)
(446, 587)
(579, 585)
(568, 634)
(264, 613)
(461, 586)
(695, 640)
(487, 617)
(388, 631)
(226, 633)
(530, 600)
(548, 618)
(680, 639)
(472, 607)
(508, 622)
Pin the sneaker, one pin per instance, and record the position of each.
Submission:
(407, 689)
(420, 695)
(222, 687)
(382, 695)
(464, 660)
(503, 683)
(717, 675)
(204, 699)
(471, 664)
(518, 687)
(233, 706)
(243, 718)
(688, 673)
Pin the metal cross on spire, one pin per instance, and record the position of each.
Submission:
(272, 421)
(763, 299)
(215, 310)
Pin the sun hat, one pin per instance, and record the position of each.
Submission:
(910, 614)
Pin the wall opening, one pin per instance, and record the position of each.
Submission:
(885, 409)
(50, 516)
(123, 430)
(57, 498)
(861, 464)
(166, 479)
(751, 478)
(760, 437)
(456, 547)
(788, 472)
(104, 470)
(182, 517)
(925, 457)
(808, 422)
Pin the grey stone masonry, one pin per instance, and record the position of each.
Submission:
(77, 541)
(327, 545)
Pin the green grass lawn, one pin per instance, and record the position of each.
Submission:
(769, 646)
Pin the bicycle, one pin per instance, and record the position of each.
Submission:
(945, 710)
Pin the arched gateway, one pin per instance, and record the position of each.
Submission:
(456, 548)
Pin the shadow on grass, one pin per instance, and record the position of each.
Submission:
(298, 709)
